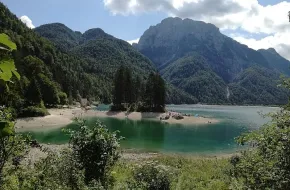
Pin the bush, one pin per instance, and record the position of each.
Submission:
(151, 176)
(33, 111)
(265, 165)
(96, 150)
(63, 98)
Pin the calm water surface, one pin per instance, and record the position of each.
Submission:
(194, 139)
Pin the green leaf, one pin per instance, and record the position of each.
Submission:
(6, 128)
(7, 69)
(16, 74)
(5, 40)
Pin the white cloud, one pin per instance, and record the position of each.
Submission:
(133, 41)
(26, 20)
(226, 14)
(246, 15)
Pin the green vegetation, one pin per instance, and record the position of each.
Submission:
(96, 152)
(193, 75)
(134, 95)
(49, 72)
(100, 54)
(258, 85)
(195, 57)
(7, 67)
(92, 159)
(266, 164)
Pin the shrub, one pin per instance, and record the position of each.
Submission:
(63, 98)
(96, 150)
(33, 111)
(266, 162)
(152, 176)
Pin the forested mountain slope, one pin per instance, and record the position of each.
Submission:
(104, 53)
(47, 71)
(216, 72)
(276, 61)
(70, 66)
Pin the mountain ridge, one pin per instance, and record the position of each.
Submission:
(171, 41)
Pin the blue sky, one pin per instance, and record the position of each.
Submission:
(83, 15)
(256, 23)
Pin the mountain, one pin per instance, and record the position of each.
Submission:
(195, 57)
(58, 64)
(50, 71)
(276, 61)
(257, 85)
(193, 75)
(57, 32)
(104, 53)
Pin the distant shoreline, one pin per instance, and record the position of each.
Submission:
(230, 105)
(61, 117)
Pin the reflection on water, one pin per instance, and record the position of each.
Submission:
(157, 136)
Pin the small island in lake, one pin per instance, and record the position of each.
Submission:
(132, 99)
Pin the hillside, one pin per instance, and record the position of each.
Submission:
(66, 65)
(104, 53)
(276, 61)
(48, 72)
(214, 73)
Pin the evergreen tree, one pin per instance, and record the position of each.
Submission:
(128, 86)
(118, 96)
(33, 93)
(137, 89)
(159, 92)
(149, 92)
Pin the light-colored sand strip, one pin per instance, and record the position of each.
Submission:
(62, 117)
(57, 118)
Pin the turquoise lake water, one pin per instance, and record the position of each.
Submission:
(155, 136)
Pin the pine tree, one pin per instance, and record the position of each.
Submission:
(159, 97)
(137, 89)
(118, 96)
(128, 86)
(149, 92)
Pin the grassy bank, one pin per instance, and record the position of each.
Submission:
(188, 172)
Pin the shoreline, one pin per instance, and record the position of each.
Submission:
(61, 117)
(132, 154)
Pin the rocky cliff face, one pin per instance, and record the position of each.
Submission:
(174, 38)
(177, 46)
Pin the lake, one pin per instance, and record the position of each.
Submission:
(155, 136)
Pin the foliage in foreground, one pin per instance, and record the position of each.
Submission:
(266, 165)
(96, 151)
(173, 172)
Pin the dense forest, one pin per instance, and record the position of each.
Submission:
(133, 94)
(66, 66)
(49, 76)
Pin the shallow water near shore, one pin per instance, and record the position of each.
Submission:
(147, 135)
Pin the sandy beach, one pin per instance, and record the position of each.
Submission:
(61, 117)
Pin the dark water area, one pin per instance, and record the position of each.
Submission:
(148, 135)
